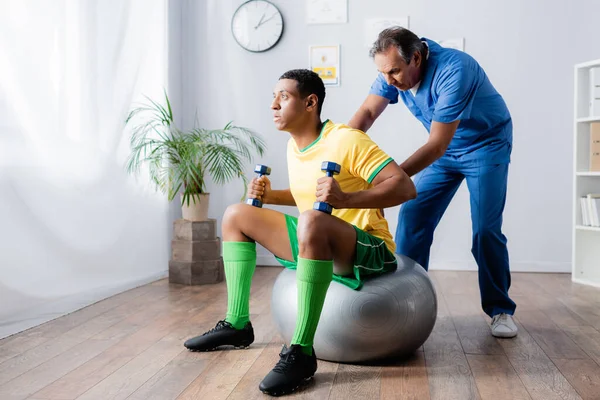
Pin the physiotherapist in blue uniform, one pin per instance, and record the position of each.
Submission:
(470, 138)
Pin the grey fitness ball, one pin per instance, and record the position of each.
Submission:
(391, 315)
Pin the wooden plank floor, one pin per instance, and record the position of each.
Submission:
(130, 346)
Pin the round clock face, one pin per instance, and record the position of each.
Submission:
(257, 25)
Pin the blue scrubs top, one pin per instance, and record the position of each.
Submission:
(455, 87)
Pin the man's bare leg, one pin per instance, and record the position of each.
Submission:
(322, 240)
(243, 225)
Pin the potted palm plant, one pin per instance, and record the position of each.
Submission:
(180, 161)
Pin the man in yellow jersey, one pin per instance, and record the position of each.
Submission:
(348, 245)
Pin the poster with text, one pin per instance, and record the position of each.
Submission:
(325, 61)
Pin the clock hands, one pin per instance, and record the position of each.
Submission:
(261, 22)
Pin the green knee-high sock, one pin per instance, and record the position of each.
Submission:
(313, 278)
(240, 261)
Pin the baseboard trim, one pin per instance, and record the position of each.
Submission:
(586, 282)
(517, 266)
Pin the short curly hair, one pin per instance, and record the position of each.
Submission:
(308, 82)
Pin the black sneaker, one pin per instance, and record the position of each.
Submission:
(222, 334)
(293, 369)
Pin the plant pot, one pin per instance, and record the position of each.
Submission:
(197, 210)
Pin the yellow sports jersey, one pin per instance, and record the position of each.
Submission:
(360, 160)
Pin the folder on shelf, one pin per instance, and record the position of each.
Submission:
(595, 92)
(595, 146)
(585, 218)
(590, 205)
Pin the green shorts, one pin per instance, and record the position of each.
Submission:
(372, 256)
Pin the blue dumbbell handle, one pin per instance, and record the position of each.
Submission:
(255, 202)
(322, 206)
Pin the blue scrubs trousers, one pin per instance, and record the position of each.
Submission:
(418, 218)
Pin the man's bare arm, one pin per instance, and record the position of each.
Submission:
(281, 198)
(368, 112)
(260, 188)
(391, 187)
(440, 136)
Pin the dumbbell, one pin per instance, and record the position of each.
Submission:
(260, 171)
(330, 168)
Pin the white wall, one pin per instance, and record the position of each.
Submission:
(74, 228)
(528, 49)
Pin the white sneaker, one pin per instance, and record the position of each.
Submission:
(503, 326)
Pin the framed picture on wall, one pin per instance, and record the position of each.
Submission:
(326, 11)
(325, 61)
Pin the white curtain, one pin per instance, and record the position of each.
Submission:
(74, 227)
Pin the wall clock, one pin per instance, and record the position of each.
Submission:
(257, 25)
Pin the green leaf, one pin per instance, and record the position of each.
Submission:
(177, 160)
